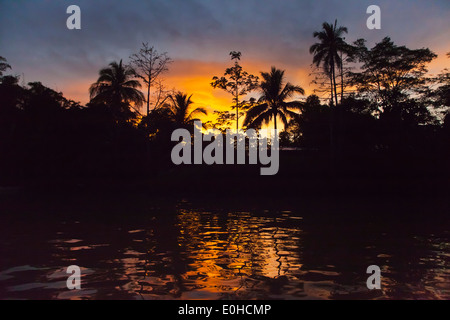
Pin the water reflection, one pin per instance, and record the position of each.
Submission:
(216, 254)
(232, 254)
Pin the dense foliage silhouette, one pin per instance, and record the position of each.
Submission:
(390, 132)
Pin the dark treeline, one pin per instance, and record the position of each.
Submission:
(376, 116)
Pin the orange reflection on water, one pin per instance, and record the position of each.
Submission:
(194, 254)
(225, 255)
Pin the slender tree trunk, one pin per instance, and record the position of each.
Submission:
(331, 124)
(342, 79)
(237, 116)
(275, 121)
(148, 93)
(340, 115)
(237, 110)
(331, 88)
(148, 100)
(341, 137)
(335, 118)
(334, 81)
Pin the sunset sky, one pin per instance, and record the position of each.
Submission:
(198, 35)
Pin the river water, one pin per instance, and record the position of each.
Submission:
(192, 251)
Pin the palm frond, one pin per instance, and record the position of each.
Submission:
(115, 84)
(283, 118)
(196, 112)
(262, 118)
(254, 112)
(295, 105)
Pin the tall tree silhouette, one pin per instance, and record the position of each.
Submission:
(117, 88)
(272, 102)
(326, 52)
(149, 64)
(392, 76)
(180, 110)
(236, 81)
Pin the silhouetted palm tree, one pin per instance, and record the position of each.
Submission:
(273, 103)
(326, 52)
(117, 88)
(180, 109)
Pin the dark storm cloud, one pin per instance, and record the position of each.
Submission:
(35, 40)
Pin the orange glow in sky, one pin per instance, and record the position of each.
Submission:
(194, 77)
